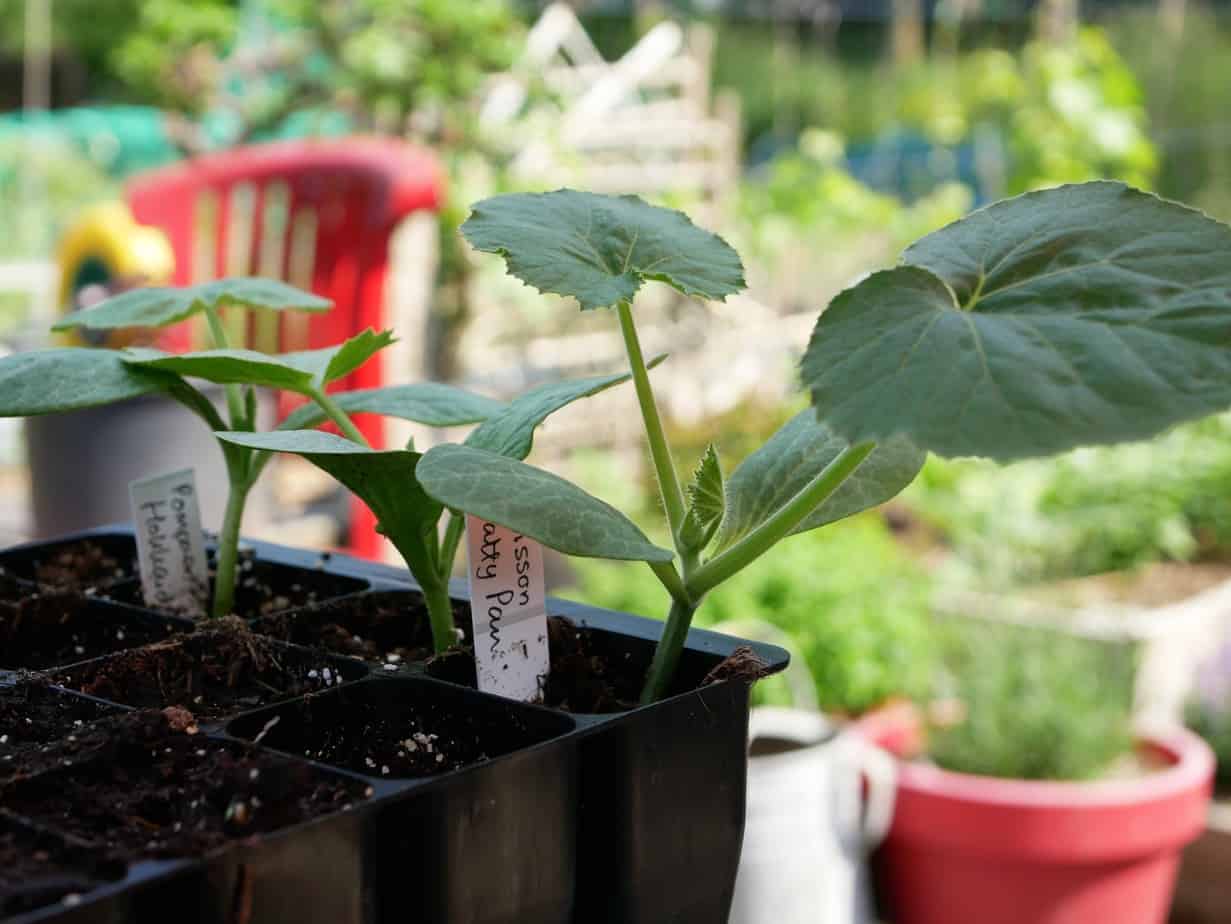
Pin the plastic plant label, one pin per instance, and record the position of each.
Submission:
(170, 542)
(508, 606)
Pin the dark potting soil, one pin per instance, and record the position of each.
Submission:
(590, 674)
(37, 870)
(386, 626)
(85, 563)
(54, 628)
(214, 673)
(146, 784)
(265, 587)
(34, 716)
(392, 730)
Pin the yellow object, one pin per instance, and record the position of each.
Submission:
(107, 247)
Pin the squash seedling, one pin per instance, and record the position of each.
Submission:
(73, 378)
(1084, 314)
(387, 481)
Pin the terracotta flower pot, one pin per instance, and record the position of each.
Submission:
(966, 849)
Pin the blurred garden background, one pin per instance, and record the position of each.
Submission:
(820, 137)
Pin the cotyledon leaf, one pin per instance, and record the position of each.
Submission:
(384, 479)
(1078, 315)
(429, 403)
(510, 431)
(800, 450)
(69, 379)
(600, 249)
(161, 305)
(533, 502)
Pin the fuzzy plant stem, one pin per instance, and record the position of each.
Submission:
(228, 544)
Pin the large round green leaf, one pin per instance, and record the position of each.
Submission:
(600, 249)
(68, 379)
(1078, 315)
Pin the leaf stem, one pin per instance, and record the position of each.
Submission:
(339, 416)
(235, 400)
(667, 653)
(778, 526)
(228, 546)
(660, 452)
(670, 579)
(454, 530)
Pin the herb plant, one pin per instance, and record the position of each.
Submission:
(66, 379)
(1078, 315)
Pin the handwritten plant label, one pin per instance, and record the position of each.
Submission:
(170, 543)
(508, 606)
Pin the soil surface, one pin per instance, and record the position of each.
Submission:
(78, 565)
(34, 716)
(216, 673)
(37, 870)
(594, 677)
(52, 628)
(384, 626)
(265, 587)
(147, 784)
(382, 730)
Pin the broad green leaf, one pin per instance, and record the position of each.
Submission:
(766, 480)
(69, 379)
(510, 432)
(159, 306)
(424, 402)
(1074, 316)
(301, 372)
(536, 503)
(227, 367)
(600, 249)
(707, 502)
(385, 481)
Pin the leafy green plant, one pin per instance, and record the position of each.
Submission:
(1084, 314)
(66, 379)
(1034, 703)
(387, 481)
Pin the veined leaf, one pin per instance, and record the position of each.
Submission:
(301, 372)
(600, 249)
(69, 379)
(159, 306)
(424, 402)
(1079, 315)
(765, 481)
(384, 480)
(707, 502)
(510, 431)
(533, 502)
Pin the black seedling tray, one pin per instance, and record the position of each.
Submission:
(545, 816)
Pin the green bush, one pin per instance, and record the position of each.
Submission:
(1034, 704)
(1087, 512)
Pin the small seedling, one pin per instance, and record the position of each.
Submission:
(73, 378)
(1078, 315)
(387, 482)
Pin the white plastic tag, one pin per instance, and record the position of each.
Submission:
(508, 606)
(170, 543)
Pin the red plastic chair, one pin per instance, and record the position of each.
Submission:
(318, 214)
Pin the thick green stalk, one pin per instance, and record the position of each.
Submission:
(338, 416)
(440, 615)
(228, 546)
(778, 526)
(660, 452)
(667, 654)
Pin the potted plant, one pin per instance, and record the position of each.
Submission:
(1023, 329)
(1035, 802)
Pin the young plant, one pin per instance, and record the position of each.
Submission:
(66, 379)
(387, 482)
(1083, 314)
